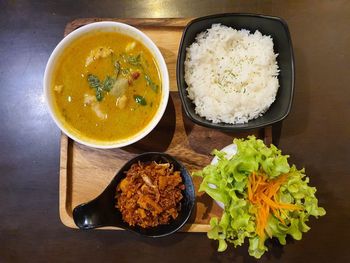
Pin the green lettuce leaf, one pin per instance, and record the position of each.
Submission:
(227, 181)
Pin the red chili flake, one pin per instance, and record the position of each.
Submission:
(135, 75)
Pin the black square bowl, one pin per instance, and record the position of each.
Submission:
(275, 27)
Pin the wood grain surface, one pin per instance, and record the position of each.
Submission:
(316, 135)
(85, 172)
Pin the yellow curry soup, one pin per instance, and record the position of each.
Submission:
(106, 87)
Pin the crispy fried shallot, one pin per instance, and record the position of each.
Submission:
(150, 194)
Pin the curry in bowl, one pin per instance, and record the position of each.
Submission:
(106, 87)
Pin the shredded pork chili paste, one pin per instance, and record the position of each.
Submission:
(150, 194)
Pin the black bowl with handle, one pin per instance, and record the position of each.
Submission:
(101, 211)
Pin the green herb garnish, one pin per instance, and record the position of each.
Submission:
(99, 95)
(99, 87)
(108, 83)
(94, 82)
(150, 83)
(140, 100)
(117, 67)
(133, 60)
(136, 60)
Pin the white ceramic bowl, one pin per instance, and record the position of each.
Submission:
(108, 27)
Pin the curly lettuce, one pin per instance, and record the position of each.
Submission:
(227, 181)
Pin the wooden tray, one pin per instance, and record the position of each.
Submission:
(85, 172)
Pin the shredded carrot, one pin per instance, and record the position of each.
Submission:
(262, 193)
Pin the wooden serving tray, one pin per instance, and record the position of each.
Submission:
(85, 171)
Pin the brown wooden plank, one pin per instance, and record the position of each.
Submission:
(136, 22)
(85, 172)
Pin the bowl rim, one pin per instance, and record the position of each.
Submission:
(141, 37)
(221, 125)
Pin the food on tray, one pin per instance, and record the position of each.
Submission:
(106, 87)
(231, 75)
(263, 197)
(150, 194)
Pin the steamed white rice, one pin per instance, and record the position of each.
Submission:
(231, 75)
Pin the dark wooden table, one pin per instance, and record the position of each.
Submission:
(316, 134)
